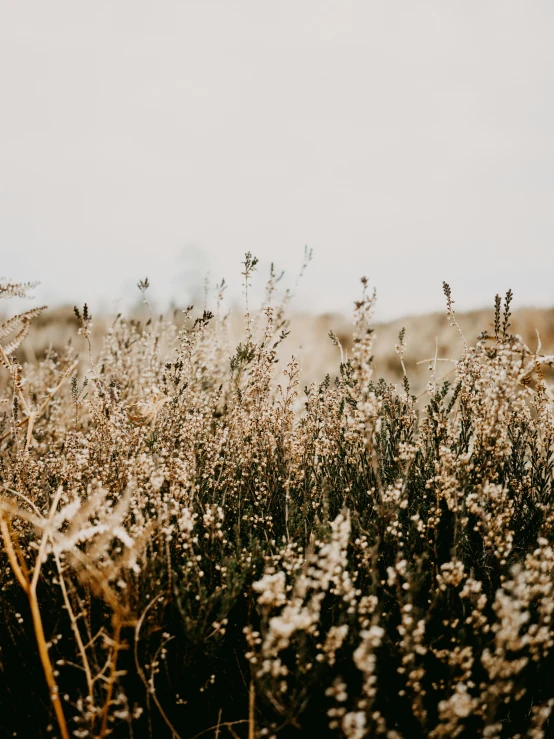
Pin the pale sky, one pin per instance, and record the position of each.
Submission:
(409, 141)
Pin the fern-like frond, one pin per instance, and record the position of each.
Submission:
(9, 289)
(17, 322)
(16, 341)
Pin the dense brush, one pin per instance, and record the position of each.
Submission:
(193, 546)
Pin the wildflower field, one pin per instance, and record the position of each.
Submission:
(195, 544)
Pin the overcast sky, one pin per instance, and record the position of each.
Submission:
(409, 141)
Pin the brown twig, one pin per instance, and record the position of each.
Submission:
(29, 587)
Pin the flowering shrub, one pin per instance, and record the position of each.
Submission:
(193, 546)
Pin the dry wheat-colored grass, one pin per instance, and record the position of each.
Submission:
(203, 535)
(309, 338)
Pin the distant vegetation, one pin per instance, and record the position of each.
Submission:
(200, 541)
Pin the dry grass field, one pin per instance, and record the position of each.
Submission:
(231, 526)
(309, 339)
